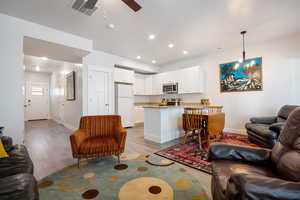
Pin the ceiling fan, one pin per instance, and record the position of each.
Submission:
(90, 4)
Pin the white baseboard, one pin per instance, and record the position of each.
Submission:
(238, 131)
(65, 124)
(70, 127)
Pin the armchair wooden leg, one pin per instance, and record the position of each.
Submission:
(119, 159)
(78, 163)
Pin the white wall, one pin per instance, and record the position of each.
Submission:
(13, 31)
(102, 59)
(280, 82)
(37, 77)
(63, 111)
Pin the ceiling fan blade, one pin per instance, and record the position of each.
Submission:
(90, 4)
(132, 4)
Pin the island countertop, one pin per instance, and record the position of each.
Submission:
(158, 106)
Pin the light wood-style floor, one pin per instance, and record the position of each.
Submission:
(49, 147)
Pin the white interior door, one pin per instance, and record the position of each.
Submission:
(98, 93)
(37, 101)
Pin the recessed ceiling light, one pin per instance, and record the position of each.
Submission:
(151, 37)
(111, 26)
(171, 45)
(154, 61)
(37, 68)
(185, 52)
(44, 58)
(138, 57)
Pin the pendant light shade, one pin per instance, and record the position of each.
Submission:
(244, 51)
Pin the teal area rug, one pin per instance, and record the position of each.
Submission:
(138, 177)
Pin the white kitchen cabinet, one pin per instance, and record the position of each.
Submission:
(124, 75)
(158, 80)
(191, 80)
(148, 84)
(139, 84)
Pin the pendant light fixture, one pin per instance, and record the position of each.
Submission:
(244, 51)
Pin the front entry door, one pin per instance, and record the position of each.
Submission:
(37, 101)
(98, 93)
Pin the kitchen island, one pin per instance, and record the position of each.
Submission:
(162, 123)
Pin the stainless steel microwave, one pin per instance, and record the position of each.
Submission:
(170, 88)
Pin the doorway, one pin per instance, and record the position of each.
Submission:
(36, 100)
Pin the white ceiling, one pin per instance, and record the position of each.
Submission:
(41, 48)
(198, 26)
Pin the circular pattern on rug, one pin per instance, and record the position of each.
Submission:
(155, 190)
(142, 169)
(112, 179)
(62, 185)
(131, 156)
(141, 186)
(182, 170)
(200, 197)
(166, 162)
(121, 167)
(148, 161)
(90, 194)
(183, 184)
(89, 175)
(45, 184)
(74, 168)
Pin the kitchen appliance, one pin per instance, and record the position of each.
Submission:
(125, 103)
(170, 88)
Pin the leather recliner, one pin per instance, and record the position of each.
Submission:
(264, 131)
(252, 173)
(16, 173)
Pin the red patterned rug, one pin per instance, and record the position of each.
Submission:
(189, 154)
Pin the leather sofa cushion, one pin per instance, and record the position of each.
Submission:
(18, 187)
(223, 169)
(95, 144)
(261, 130)
(285, 111)
(289, 167)
(17, 162)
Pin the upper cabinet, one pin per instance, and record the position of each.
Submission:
(139, 84)
(190, 80)
(124, 75)
(148, 84)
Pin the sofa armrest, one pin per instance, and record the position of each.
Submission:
(254, 187)
(17, 162)
(76, 139)
(121, 137)
(7, 143)
(223, 151)
(277, 127)
(263, 120)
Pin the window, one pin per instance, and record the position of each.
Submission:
(37, 91)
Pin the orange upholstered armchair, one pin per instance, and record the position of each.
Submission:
(98, 136)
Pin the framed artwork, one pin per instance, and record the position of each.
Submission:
(70, 86)
(241, 77)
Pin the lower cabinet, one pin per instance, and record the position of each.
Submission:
(138, 114)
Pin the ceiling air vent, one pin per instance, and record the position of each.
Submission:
(81, 6)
